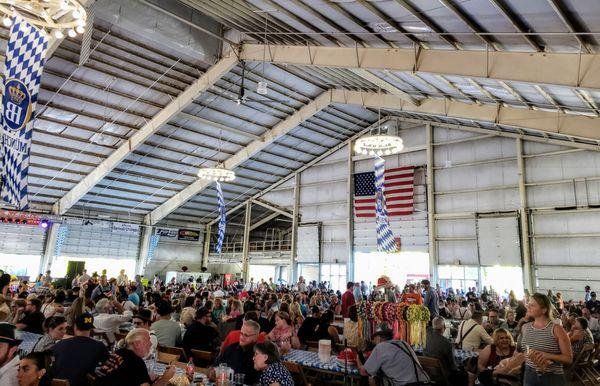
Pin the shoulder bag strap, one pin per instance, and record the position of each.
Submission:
(414, 362)
(462, 337)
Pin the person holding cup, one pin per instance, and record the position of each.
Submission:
(272, 371)
(546, 345)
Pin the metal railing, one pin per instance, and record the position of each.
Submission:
(256, 246)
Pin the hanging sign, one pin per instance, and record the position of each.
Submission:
(23, 66)
(188, 235)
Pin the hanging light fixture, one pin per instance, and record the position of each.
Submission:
(216, 174)
(379, 145)
(50, 15)
(381, 141)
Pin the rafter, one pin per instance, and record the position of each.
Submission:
(540, 121)
(282, 128)
(570, 24)
(162, 117)
(517, 24)
(562, 69)
(472, 24)
(428, 23)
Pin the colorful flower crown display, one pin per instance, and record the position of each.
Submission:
(409, 321)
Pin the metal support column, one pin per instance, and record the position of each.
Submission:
(528, 277)
(49, 247)
(295, 220)
(206, 250)
(246, 246)
(140, 263)
(350, 230)
(432, 234)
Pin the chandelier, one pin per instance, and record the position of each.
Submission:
(381, 141)
(378, 145)
(56, 16)
(216, 174)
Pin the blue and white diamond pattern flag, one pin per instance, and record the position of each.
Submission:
(385, 237)
(222, 219)
(25, 56)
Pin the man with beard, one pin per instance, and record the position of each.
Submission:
(33, 319)
(239, 356)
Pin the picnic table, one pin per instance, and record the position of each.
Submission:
(311, 359)
(200, 374)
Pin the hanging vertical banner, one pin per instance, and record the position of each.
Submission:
(385, 237)
(25, 56)
(222, 219)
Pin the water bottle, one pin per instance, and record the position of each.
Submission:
(189, 370)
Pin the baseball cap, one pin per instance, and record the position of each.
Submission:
(84, 322)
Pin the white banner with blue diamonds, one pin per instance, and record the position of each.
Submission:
(25, 57)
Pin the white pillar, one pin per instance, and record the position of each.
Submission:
(49, 247)
(433, 258)
(528, 277)
(350, 211)
(206, 251)
(292, 271)
(246, 245)
(140, 264)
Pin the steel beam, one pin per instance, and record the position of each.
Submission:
(265, 220)
(350, 212)
(561, 69)
(274, 208)
(431, 224)
(528, 272)
(174, 107)
(539, 121)
(206, 250)
(279, 130)
(295, 222)
(246, 246)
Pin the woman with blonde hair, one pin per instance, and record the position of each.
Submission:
(503, 347)
(546, 345)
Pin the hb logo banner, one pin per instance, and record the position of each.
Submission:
(25, 56)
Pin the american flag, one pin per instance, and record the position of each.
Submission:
(399, 189)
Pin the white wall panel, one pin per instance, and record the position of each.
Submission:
(458, 252)
(498, 241)
(460, 227)
(487, 201)
(308, 250)
(98, 241)
(20, 239)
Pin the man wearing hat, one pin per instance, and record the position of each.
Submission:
(393, 359)
(9, 360)
(79, 355)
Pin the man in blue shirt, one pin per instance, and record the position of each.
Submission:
(430, 300)
(132, 295)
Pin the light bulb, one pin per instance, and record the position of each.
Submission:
(71, 33)
(262, 88)
(64, 5)
(76, 14)
(59, 34)
(388, 152)
(79, 29)
(7, 21)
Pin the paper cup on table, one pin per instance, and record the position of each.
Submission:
(324, 350)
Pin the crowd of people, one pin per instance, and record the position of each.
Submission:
(249, 326)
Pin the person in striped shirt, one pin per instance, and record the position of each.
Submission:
(546, 345)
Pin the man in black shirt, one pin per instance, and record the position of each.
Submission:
(306, 331)
(239, 356)
(33, 319)
(200, 335)
(126, 366)
(79, 355)
(593, 304)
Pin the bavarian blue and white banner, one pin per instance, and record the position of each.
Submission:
(222, 219)
(385, 236)
(25, 57)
